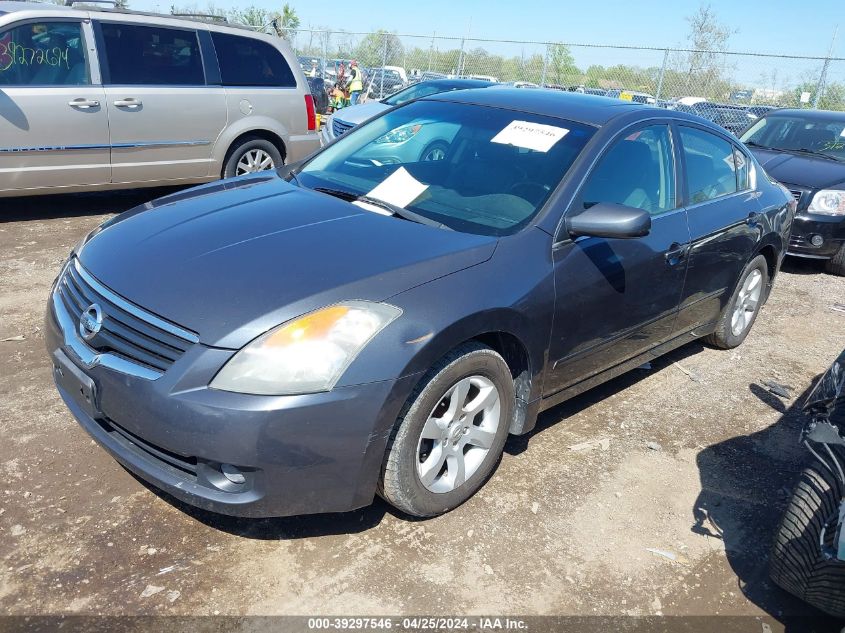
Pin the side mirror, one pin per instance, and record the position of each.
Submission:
(607, 219)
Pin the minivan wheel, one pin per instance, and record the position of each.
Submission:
(741, 311)
(251, 155)
(836, 264)
(450, 434)
(797, 561)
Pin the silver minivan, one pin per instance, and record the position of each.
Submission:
(109, 99)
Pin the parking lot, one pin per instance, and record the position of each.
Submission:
(655, 493)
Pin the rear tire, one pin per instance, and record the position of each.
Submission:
(836, 264)
(738, 311)
(419, 473)
(252, 151)
(797, 564)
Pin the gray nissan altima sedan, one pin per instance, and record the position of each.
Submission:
(298, 341)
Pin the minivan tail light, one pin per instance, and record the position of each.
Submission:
(309, 110)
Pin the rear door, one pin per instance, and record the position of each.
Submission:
(723, 210)
(617, 298)
(54, 128)
(164, 117)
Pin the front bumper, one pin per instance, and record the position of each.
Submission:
(296, 454)
(831, 230)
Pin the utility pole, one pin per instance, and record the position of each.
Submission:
(823, 77)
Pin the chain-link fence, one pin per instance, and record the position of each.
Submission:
(651, 75)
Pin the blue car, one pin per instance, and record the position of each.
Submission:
(299, 341)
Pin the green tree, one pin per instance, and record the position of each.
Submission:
(287, 22)
(380, 46)
(561, 68)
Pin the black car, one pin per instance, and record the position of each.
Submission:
(319, 90)
(381, 82)
(805, 150)
(298, 341)
(731, 117)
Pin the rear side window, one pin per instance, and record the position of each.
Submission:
(711, 170)
(43, 54)
(245, 61)
(741, 162)
(151, 56)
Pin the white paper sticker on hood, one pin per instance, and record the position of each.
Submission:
(536, 136)
(400, 188)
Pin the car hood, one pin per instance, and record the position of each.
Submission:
(233, 259)
(803, 171)
(359, 113)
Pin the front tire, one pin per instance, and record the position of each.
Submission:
(251, 155)
(797, 563)
(450, 434)
(740, 313)
(836, 264)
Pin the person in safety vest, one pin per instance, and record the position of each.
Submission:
(356, 82)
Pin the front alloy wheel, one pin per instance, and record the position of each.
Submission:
(450, 433)
(458, 434)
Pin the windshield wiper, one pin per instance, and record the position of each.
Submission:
(337, 193)
(755, 144)
(814, 152)
(403, 213)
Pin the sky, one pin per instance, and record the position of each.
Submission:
(777, 26)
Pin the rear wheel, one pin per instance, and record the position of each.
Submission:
(836, 264)
(251, 155)
(797, 562)
(741, 311)
(450, 435)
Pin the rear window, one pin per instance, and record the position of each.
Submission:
(148, 55)
(245, 61)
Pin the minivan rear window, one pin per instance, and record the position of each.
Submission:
(246, 61)
(147, 55)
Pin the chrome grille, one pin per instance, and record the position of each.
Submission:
(127, 331)
(340, 127)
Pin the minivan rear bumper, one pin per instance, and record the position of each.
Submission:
(300, 146)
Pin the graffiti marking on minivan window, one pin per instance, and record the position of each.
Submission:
(12, 54)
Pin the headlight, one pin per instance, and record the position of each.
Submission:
(828, 202)
(308, 354)
(400, 134)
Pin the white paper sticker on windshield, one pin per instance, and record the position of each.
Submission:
(842, 133)
(536, 136)
(400, 188)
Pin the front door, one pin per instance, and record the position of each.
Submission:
(617, 298)
(164, 118)
(54, 129)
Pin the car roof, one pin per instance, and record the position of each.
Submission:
(574, 106)
(459, 83)
(820, 115)
(11, 6)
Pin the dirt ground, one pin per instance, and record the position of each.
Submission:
(560, 529)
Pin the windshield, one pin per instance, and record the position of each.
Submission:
(415, 92)
(798, 132)
(471, 168)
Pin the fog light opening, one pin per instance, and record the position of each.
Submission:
(232, 474)
(816, 240)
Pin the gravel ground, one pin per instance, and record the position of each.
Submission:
(693, 458)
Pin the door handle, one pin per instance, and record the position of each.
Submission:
(676, 253)
(83, 103)
(129, 102)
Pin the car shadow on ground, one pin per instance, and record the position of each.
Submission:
(77, 204)
(802, 266)
(746, 483)
(550, 417)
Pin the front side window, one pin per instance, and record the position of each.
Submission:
(471, 168)
(246, 61)
(43, 54)
(638, 171)
(151, 56)
(711, 170)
